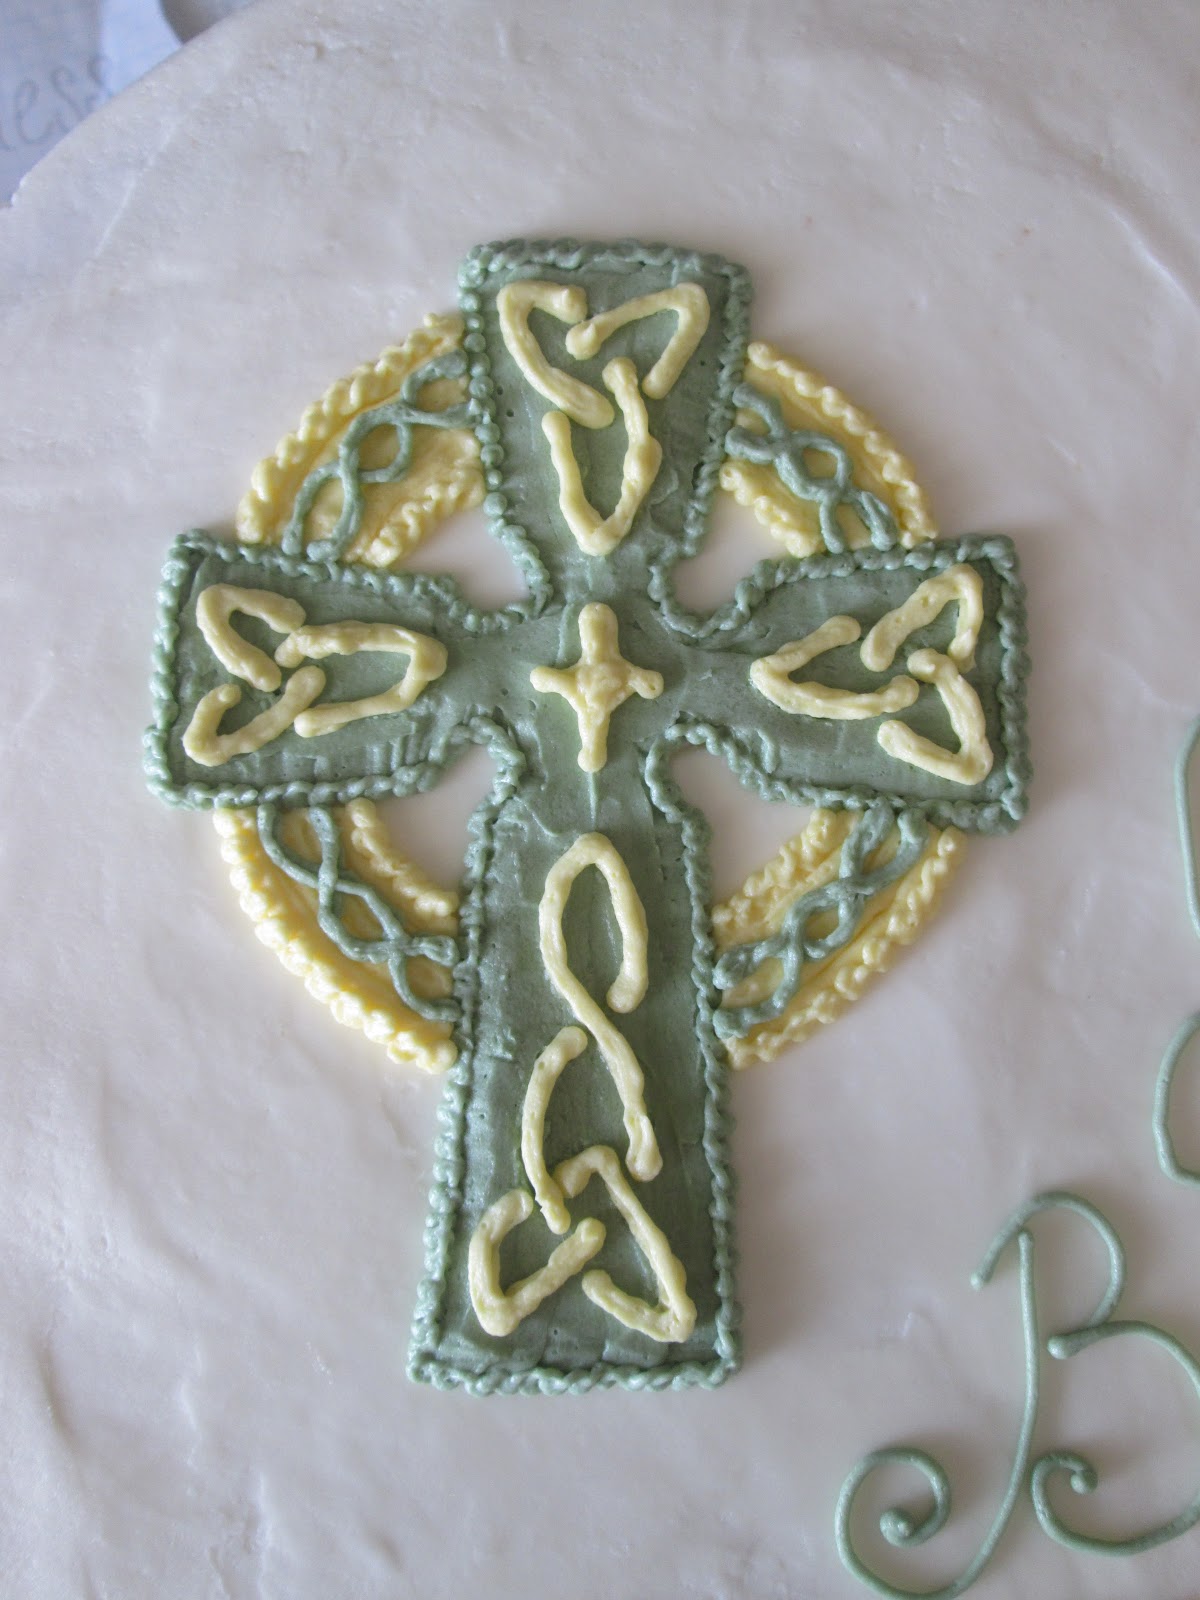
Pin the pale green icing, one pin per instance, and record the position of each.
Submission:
(1183, 813)
(706, 671)
(847, 896)
(783, 449)
(541, 802)
(1164, 1139)
(335, 884)
(905, 1528)
(401, 413)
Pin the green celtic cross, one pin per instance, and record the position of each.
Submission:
(580, 1227)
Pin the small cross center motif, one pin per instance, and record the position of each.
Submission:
(598, 684)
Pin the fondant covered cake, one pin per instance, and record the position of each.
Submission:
(594, 692)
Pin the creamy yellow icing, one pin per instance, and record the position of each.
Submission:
(500, 1311)
(443, 474)
(830, 985)
(809, 402)
(628, 988)
(284, 915)
(204, 742)
(961, 584)
(371, 851)
(689, 303)
(771, 676)
(598, 684)
(573, 397)
(215, 607)
(565, 1047)
(427, 661)
(675, 1316)
(596, 535)
(973, 760)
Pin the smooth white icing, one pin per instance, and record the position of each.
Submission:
(982, 225)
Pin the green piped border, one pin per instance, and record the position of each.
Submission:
(445, 1197)
(184, 557)
(999, 814)
(569, 255)
(446, 1193)
(1002, 814)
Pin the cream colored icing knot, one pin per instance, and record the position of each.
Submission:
(598, 684)
(499, 1310)
(689, 303)
(596, 535)
(961, 585)
(215, 606)
(576, 401)
(771, 676)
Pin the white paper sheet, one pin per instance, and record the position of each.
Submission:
(60, 59)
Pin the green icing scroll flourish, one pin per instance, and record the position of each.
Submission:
(1164, 1140)
(905, 1529)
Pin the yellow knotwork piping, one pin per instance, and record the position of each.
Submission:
(210, 748)
(203, 741)
(597, 536)
(771, 676)
(501, 1311)
(427, 661)
(215, 607)
(566, 1046)
(579, 401)
(598, 684)
(689, 303)
(594, 850)
(972, 762)
(675, 1316)
(959, 584)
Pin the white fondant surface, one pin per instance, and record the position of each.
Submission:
(982, 223)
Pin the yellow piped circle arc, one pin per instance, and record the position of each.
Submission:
(445, 477)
